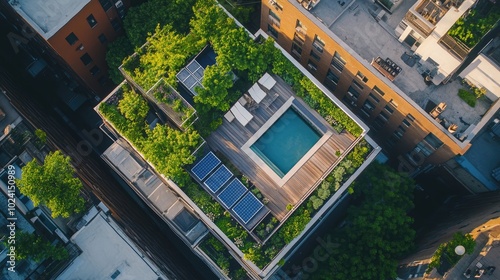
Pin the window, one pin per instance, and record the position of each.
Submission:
(117, 26)
(378, 91)
(86, 59)
(401, 129)
(312, 66)
(338, 62)
(379, 122)
(362, 77)
(102, 38)
(296, 49)
(410, 117)
(297, 39)
(393, 103)
(429, 144)
(274, 18)
(332, 77)
(71, 39)
(300, 29)
(273, 32)
(318, 44)
(406, 122)
(94, 70)
(358, 85)
(315, 55)
(368, 105)
(384, 116)
(91, 20)
(276, 5)
(352, 93)
(106, 4)
(389, 109)
(372, 96)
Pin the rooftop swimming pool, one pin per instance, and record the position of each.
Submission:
(286, 142)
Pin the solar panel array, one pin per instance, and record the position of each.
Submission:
(205, 166)
(248, 207)
(218, 178)
(191, 76)
(232, 193)
(235, 197)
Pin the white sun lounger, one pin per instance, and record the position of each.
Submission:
(267, 81)
(257, 93)
(241, 114)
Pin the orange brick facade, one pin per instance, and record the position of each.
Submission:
(394, 121)
(95, 73)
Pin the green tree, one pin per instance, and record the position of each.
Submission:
(140, 22)
(30, 246)
(447, 250)
(53, 184)
(378, 229)
(166, 53)
(118, 50)
(217, 81)
(133, 107)
(476, 24)
(169, 149)
(41, 135)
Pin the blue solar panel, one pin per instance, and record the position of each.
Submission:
(234, 191)
(248, 206)
(205, 166)
(218, 179)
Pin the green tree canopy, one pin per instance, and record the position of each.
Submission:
(447, 250)
(165, 54)
(169, 149)
(133, 107)
(118, 50)
(140, 22)
(378, 229)
(30, 246)
(53, 184)
(476, 24)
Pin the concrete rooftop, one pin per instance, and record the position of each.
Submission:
(48, 16)
(152, 188)
(355, 24)
(107, 253)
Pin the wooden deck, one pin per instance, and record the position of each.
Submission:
(231, 136)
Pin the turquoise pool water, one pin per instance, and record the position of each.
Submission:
(286, 142)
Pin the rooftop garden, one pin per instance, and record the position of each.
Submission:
(168, 149)
(171, 150)
(472, 27)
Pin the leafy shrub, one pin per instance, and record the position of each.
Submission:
(475, 25)
(324, 193)
(41, 135)
(468, 97)
(294, 225)
(316, 202)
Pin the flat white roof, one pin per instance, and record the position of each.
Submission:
(108, 252)
(48, 16)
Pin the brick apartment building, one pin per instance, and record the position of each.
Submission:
(75, 33)
(382, 66)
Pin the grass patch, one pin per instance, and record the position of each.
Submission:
(468, 97)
